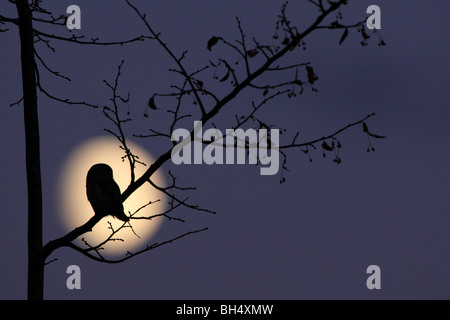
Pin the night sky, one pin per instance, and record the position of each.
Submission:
(313, 236)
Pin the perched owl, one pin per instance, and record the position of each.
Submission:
(103, 192)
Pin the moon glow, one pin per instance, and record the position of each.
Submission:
(75, 209)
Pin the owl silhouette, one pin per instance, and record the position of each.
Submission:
(103, 192)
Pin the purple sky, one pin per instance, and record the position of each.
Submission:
(310, 238)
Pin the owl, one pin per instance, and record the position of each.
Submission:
(103, 192)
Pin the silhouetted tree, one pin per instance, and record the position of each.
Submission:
(194, 98)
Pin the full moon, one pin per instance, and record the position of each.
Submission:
(75, 209)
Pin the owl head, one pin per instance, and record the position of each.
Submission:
(99, 172)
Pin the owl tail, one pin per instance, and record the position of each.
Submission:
(119, 214)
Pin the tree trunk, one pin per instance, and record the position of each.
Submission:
(35, 258)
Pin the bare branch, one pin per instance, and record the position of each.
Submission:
(192, 85)
(130, 255)
(334, 134)
(181, 202)
(118, 121)
(172, 55)
(56, 73)
(94, 41)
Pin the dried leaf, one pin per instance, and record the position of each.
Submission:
(364, 34)
(199, 83)
(252, 53)
(326, 147)
(151, 103)
(375, 135)
(226, 76)
(365, 128)
(344, 35)
(212, 42)
(310, 73)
